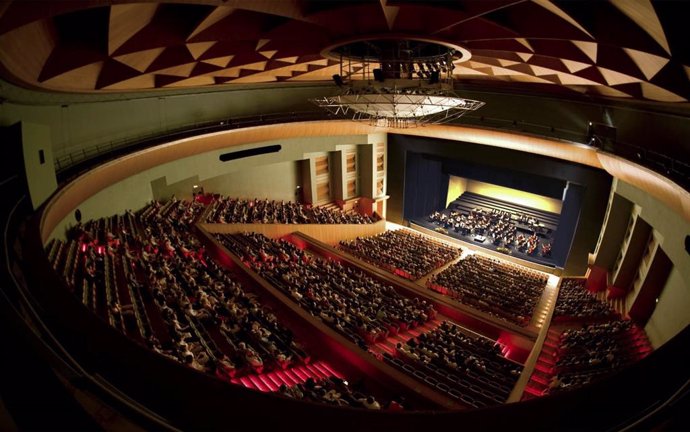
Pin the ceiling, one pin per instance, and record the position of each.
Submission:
(635, 49)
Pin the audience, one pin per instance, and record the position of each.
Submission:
(402, 252)
(202, 317)
(503, 290)
(344, 298)
(587, 354)
(468, 359)
(148, 276)
(236, 210)
(575, 302)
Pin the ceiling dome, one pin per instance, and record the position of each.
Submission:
(612, 49)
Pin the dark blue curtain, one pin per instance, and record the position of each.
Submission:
(424, 181)
(570, 215)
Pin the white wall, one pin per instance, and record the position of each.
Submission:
(273, 176)
(75, 126)
(671, 313)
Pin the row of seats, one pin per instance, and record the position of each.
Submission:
(238, 210)
(402, 252)
(504, 290)
(470, 364)
(149, 277)
(344, 298)
(575, 302)
(594, 351)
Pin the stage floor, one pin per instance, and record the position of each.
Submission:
(536, 258)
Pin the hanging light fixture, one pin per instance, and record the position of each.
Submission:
(397, 83)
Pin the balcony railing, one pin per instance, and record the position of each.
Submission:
(68, 164)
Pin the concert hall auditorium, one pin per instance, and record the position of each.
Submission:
(357, 215)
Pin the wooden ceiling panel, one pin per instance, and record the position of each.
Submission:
(531, 20)
(171, 25)
(172, 56)
(425, 19)
(240, 25)
(140, 60)
(615, 58)
(113, 71)
(673, 17)
(476, 29)
(126, 20)
(28, 64)
(145, 81)
(64, 58)
(85, 77)
(615, 48)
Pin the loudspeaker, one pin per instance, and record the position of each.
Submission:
(338, 80)
(433, 79)
(687, 244)
(378, 75)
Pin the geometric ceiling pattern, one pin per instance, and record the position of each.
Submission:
(617, 48)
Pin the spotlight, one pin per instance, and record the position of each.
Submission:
(433, 79)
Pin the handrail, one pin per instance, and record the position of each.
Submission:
(85, 154)
(666, 165)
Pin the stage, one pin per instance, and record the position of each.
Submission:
(522, 221)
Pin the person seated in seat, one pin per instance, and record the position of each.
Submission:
(370, 403)
(226, 367)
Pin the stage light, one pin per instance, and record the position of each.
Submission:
(393, 97)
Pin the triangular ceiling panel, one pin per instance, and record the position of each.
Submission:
(539, 71)
(113, 71)
(551, 7)
(552, 44)
(268, 54)
(504, 62)
(649, 64)
(609, 92)
(574, 66)
(498, 71)
(568, 79)
(643, 14)
(525, 56)
(653, 92)
(140, 60)
(171, 57)
(261, 43)
(462, 70)
(146, 81)
(194, 82)
(126, 20)
(86, 76)
(182, 70)
(292, 59)
(198, 48)
(525, 43)
(615, 78)
(219, 61)
(216, 15)
(589, 48)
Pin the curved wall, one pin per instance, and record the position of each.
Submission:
(126, 182)
(83, 121)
